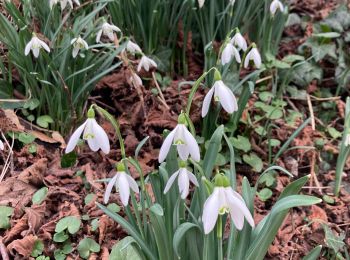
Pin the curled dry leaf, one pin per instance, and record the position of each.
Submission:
(22, 247)
(318, 216)
(35, 216)
(14, 191)
(34, 174)
(104, 253)
(17, 229)
(90, 175)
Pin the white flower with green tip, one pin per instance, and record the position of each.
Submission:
(64, 3)
(133, 47)
(92, 132)
(146, 63)
(229, 52)
(34, 45)
(275, 5)
(107, 29)
(253, 55)
(225, 200)
(78, 44)
(1, 145)
(185, 143)
(184, 179)
(123, 183)
(221, 94)
(239, 41)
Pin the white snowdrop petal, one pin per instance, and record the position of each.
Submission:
(110, 35)
(109, 188)
(210, 211)
(192, 178)
(124, 189)
(256, 57)
(226, 97)
(183, 182)
(206, 102)
(201, 3)
(247, 59)
(73, 40)
(1, 145)
(28, 47)
(36, 52)
(183, 151)
(166, 146)
(236, 54)
(44, 45)
(75, 138)
(227, 53)
(170, 181)
(98, 36)
(115, 28)
(101, 137)
(132, 183)
(192, 145)
(75, 52)
(238, 205)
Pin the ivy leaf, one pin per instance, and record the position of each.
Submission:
(26, 138)
(86, 246)
(5, 213)
(40, 195)
(241, 143)
(265, 194)
(254, 161)
(334, 133)
(60, 237)
(44, 121)
(71, 223)
(38, 248)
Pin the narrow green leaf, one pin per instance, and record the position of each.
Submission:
(212, 151)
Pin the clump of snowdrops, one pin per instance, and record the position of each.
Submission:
(194, 209)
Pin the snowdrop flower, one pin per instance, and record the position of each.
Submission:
(93, 133)
(232, 2)
(229, 52)
(253, 55)
(239, 41)
(107, 29)
(122, 182)
(184, 179)
(185, 143)
(276, 4)
(133, 47)
(146, 63)
(225, 200)
(221, 94)
(1, 145)
(34, 45)
(64, 3)
(135, 79)
(201, 3)
(78, 44)
(347, 140)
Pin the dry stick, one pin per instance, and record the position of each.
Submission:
(313, 173)
(263, 79)
(9, 159)
(160, 91)
(311, 110)
(3, 251)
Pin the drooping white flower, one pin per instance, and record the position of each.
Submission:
(34, 45)
(78, 44)
(133, 47)
(239, 41)
(107, 29)
(184, 179)
(229, 52)
(276, 4)
(201, 3)
(1, 145)
(347, 140)
(225, 200)
(146, 63)
(135, 79)
(222, 94)
(185, 143)
(64, 3)
(232, 2)
(123, 183)
(92, 132)
(253, 55)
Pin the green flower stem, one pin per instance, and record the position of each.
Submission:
(219, 235)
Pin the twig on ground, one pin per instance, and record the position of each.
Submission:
(313, 173)
(160, 91)
(311, 110)
(9, 159)
(3, 251)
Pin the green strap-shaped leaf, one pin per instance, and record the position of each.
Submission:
(313, 254)
(212, 151)
(180, 234)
